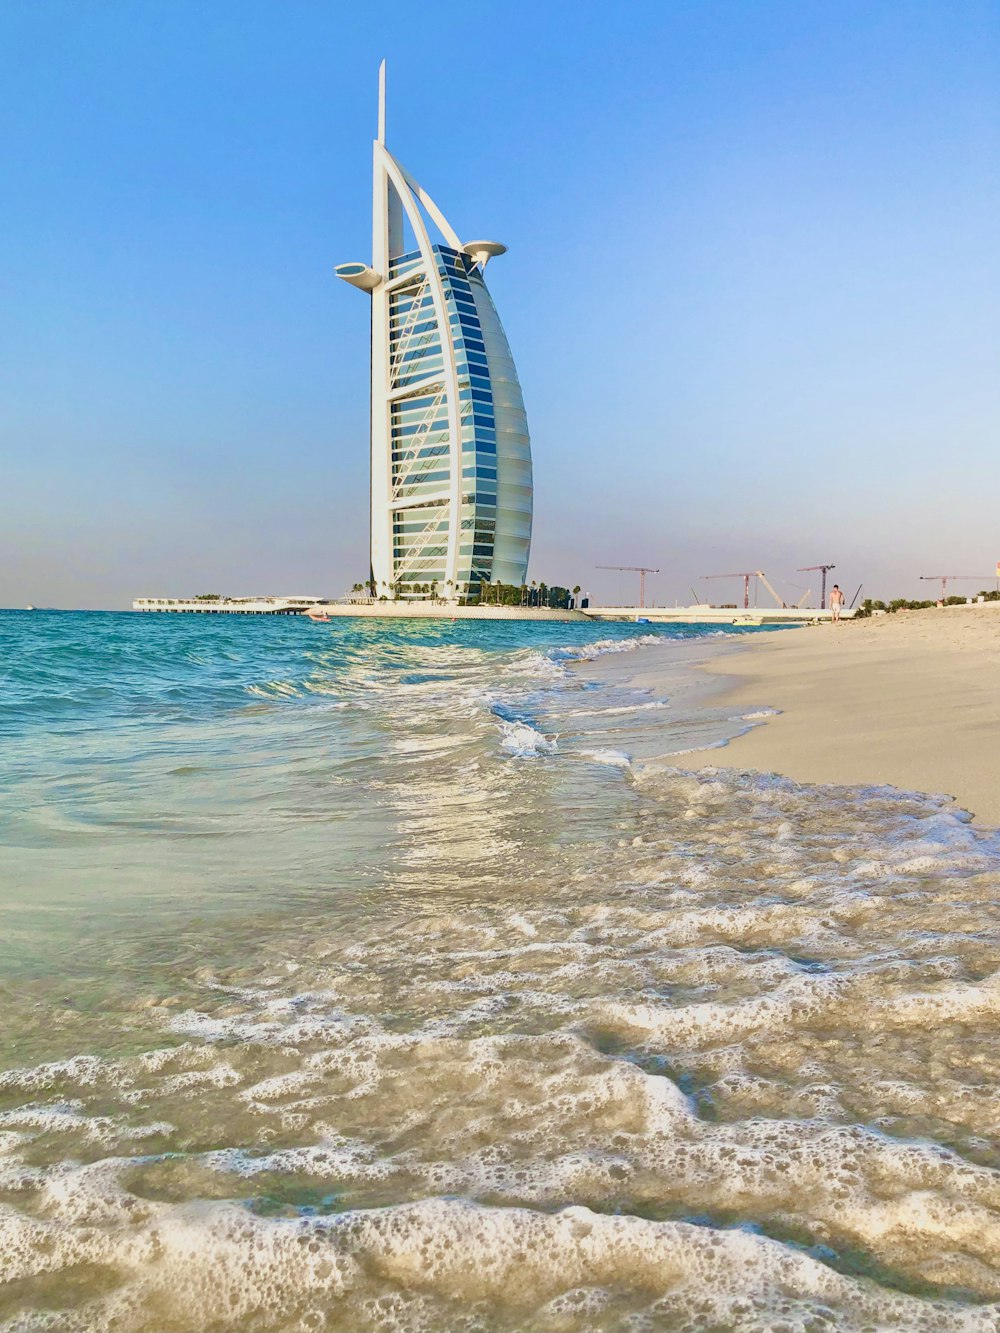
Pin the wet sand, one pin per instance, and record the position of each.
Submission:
(911, 699)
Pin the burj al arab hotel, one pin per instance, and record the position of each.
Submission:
(450, 456)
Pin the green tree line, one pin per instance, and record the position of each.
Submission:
(870, 605)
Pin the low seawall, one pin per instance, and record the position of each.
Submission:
(442, 611)
(659, 615)
(715, 615)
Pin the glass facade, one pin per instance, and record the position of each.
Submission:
(423, 454)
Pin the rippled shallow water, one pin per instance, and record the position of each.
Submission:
(394, 989)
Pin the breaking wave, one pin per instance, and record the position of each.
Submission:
(496, 1026)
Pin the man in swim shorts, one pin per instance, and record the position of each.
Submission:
(836, 602)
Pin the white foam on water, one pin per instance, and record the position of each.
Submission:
(429, 745)
(283, 1021)
(275, 689)
(650, 705)
(438, 1264)
(718, 744)
(541, 666)
(488, 1099)
(524, 740)
(604, 647)
(611, 758)
(522, 924)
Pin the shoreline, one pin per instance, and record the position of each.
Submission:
(365, 910)
(909, 701)
(680, 671)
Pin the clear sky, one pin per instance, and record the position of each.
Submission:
(753, 288)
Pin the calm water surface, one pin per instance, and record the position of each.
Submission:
(372, 976)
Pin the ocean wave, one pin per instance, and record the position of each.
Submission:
(611, 758)
(524, 740)
(610, 710)
(435, 1263)
(586, 1044)
(602, 647)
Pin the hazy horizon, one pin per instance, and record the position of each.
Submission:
(751, 290)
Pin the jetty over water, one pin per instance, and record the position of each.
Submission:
(212, 605)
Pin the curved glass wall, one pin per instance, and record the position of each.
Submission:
(495, 493)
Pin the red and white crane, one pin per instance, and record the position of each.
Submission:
(945, 579)
(808, 569)
(641, 570)
(746, 576)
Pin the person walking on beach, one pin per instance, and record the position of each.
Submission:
(836, 602)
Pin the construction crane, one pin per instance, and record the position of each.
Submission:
(957, 578)
(641, 570)
(746, 576)
(808, 569)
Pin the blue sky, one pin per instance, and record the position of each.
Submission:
(753, 287)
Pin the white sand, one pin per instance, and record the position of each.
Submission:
(911, 699)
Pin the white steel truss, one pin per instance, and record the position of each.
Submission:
(417, 557)
(404, 336)
(409, 465)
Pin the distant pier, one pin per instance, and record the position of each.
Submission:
(219, 606)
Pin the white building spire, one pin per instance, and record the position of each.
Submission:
(381, 102)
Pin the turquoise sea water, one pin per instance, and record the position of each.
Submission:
(156, 768)
(380, 976)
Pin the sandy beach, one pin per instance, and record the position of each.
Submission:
(911, 699)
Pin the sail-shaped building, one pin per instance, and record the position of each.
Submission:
(451, 490)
